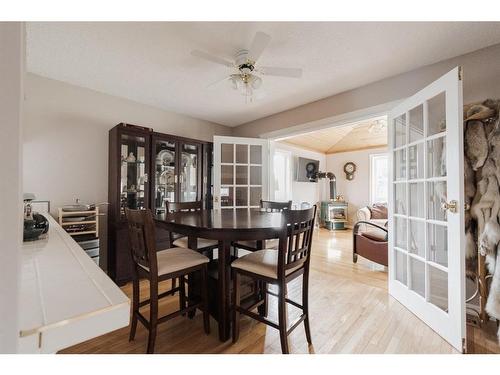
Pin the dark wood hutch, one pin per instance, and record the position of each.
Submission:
(146, 168)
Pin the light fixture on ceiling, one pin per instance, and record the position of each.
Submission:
(377, 127)
(245, 84)
(245, 80)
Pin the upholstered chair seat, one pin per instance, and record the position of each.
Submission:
(176, 259)
(261, 262)
(202, 243)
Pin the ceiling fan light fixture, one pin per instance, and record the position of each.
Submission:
(245, 65)
(256, 82)
(234, 83)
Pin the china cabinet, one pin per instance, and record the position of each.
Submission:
(178, 170)
(145, 169)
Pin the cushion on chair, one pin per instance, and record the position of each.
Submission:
(202, 243)
(262, 262)
(375, 234)
(381, 222)
(177, 259)
(269, 244)
(363, 214)
(378, 211)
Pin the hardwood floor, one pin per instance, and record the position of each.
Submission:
(483, 340)
(351, 312)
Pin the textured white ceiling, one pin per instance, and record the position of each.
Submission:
(151, 62)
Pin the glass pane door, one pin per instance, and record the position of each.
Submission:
(421, 233)
(165, 174)
(133, 175)
(188, 177)
(426, 270)
(240, 172)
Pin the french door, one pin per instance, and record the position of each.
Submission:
(241, 167)
(426, 207)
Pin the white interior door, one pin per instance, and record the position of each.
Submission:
(241, 168)
(426, 207)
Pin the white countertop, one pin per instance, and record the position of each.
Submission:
(65, 297)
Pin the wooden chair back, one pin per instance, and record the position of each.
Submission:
(173, 207)
(141, 232)
(183, 206)
(271, 206)
(296, 239)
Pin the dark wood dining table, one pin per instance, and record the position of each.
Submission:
(226, 226)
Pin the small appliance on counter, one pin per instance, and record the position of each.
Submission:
(81, 221)
(34, 224)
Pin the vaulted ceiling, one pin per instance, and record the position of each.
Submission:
(360, 136)
(150, 62)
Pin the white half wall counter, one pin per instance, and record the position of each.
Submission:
(65, 298)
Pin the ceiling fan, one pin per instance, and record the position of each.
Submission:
(245, 78)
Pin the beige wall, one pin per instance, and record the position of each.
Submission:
(481, 80)
(11, 94)
(66, 139)
(357, 191)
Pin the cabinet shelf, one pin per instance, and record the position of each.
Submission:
(133, 162)
(84, 232)
(77, 213)
(68, 223)
(84, 226)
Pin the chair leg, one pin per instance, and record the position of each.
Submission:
(305, 305)
(135, 307)
(204, 292)
(282, 318)
(236, 303)
(264, 308)
(190, 296)
(174, 284)
(153, 315)
(182, 293)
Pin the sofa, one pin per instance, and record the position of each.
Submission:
(370, 234)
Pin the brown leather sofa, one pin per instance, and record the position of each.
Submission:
(370, 237)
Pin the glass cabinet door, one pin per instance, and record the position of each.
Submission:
(188, 177)
(165, 174)
(133, 173)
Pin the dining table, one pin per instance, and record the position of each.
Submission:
(227, 226)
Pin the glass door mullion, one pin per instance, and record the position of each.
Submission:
(234, 177)
(426, 176)
(409, 271)
(248, 177)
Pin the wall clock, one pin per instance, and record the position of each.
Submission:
(349, 169)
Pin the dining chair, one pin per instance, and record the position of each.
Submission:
(204, 245)
(267, 206)
(157, 266)
(279, 268)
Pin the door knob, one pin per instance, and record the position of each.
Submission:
(450, 206)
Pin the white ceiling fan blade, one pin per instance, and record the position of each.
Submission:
(212, 58)
(281, 72)
(218, 82)
(259, 43)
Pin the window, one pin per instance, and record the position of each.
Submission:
(282, 175)
(379, 179)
